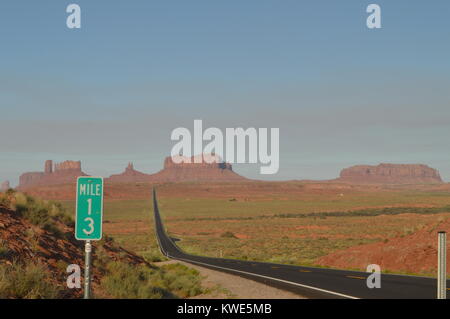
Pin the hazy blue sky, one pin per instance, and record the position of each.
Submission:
(112, 91)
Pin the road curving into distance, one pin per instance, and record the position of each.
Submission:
(307, 281)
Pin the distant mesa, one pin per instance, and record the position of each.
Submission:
(390, 174)
(211, 168)
(68, 171)
(4, 186)
(59, 173)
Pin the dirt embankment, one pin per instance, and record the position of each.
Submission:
(56, 248)
(414, 253)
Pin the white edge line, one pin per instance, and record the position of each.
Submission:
(267, 277)
(256, 275)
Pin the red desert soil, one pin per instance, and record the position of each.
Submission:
(241, 191)
(415, 253)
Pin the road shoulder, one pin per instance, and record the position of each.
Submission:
(222, 285)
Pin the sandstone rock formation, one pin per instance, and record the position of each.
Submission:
(390, 174)
(214, 170)
(130, 175)
(4, 186)
(61, 173)
(68, 166)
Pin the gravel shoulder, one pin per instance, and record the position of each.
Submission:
(225, 286)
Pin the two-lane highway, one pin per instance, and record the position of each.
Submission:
(306, 281)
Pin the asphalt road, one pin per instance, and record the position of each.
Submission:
(306, 281)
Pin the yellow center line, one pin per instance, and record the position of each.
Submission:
(301, 270)
(355, 277)
(275, 267)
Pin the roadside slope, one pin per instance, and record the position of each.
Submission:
(413, 253)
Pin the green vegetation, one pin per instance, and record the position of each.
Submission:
(210, 226)
(228, 234)
(123, 280)
(27, 280)
(369, 212)
(282, 228)
(5, 252)
(42, 213)
(120, 276)
(277, 250)
(187, 207)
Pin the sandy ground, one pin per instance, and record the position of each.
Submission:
(223, 285)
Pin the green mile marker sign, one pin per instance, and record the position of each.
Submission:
(89, 211)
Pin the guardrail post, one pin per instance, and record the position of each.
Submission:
(442, 269)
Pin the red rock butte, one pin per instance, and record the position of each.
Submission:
(390, 174)
(213, 170)
(4, 186)
(60, 173)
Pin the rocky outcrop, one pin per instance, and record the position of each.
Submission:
(390, 174)
(60, 173)
(4, 186)
(130, 175)
(68, 166)
(211, 168)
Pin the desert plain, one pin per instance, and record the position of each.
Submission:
(321, 224)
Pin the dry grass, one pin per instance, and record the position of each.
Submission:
(285, 223)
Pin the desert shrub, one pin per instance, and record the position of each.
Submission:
(181, 280)
(5, 200)
(108, 240)
(53, 229)
(26, 280)
(37, 216)
(57, 211)
(32, 238)
(152, 256)
(370, 212)
(123, 280)
(128, 282)
(228, 234)
(5, 252)
(42, 213)
(62, 266)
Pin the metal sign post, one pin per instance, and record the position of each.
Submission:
(88, 221)
(87, 270)
(442, 269)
